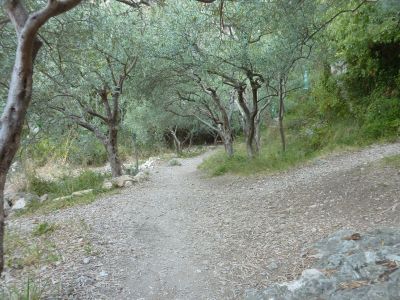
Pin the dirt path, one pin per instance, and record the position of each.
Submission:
(184, 236)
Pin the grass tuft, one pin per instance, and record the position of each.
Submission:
(43, 229)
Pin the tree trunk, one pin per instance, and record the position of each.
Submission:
(282, 133)
(177, 142)
(257, 135)
(2, 219)
(20, 90)
(111, 145)
(226, 136)
(250, 147)
(12, 120)
(281, 94)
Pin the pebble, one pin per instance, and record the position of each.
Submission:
(103, 274)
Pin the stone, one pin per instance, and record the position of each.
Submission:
(86, 260)
(13, 198)
(128, 183)
(63, 198)
(82, 193)
(103, 274)
(6, 206)
(142, 176)
(107, 185)
(121, 180)
(346, 268)
(44, 198)
(19, 204)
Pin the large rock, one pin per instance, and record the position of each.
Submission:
(349, 266)
(121, 180)
(21, 200)
(19, 204)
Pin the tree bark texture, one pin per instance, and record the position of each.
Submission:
(20, 91)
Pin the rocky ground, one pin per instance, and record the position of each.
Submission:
(182, 235)
(349, 266)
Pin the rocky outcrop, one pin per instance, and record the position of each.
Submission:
(349, 266)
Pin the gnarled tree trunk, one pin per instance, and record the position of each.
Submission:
(20, 90)
(111, 145)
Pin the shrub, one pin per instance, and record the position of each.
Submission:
(382, 118)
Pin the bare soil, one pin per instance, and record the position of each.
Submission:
(183, 235)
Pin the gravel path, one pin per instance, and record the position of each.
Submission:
(182, 235)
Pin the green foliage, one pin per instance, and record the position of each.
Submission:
(271, 158)
(66, 185)
(369, 41)
(43, 229)
(86, 151)
(382, 118)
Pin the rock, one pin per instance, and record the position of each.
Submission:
(82, 193)
(6, 206)
(121, 180)
(44, 198)
(12, 198)
(148, 164)
(142, 176)
(19, 204)
(107, 185)
(86, 260)
(366, 267)
(103, 274)
(21, 200)
(128, 183)
(63, 198)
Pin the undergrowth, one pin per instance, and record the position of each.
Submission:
(314, 128)
(65, 185)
